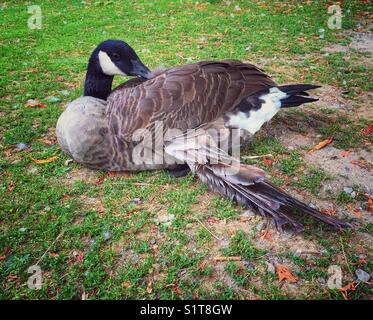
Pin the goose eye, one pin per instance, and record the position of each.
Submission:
(115, 56)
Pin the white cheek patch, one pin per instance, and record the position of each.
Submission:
(108, 66)
(253, 121)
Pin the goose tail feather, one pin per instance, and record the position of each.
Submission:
(249, 188)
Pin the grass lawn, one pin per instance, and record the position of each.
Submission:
(147, 235)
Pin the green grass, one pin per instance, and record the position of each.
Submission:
(88, 234)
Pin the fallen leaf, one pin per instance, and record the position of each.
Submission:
(301, 39)
(346, 289)
(118, 174)
(321, 145)
(362, 163)
(54, 255)
(126, 285)
(149, 289)
(42, 161)
(36, 104)
(2, 258)
(329, 212)
(47, 141)
(368, 130)
(267, 235)
(11, 186)
(349, 287)
(101, 209)
(356, 212)
(370, 205)
(213, 219)
(12, 277)
(79, 256)
(176, 290)
(345, 154)
(267, 162)
(283, 273)
(100, 181)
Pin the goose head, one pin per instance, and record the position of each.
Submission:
(110, 58)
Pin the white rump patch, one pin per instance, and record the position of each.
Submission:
(108, 66)
(253, 121)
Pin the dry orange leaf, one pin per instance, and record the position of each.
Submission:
(368, 130)
(42, 161)
(370, 205)
(345, 154)
(48, 142)
(329, 212)
(177, 291)
(54, 255)
(284, 274)
(36, 104)
(321, 144)
(356, 212)
(267, 162)
(12, 277)
(267, 235)
(11, 186)
(118, 174)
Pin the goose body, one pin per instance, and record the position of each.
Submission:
(195, 109)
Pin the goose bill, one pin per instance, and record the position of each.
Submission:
(139, 69)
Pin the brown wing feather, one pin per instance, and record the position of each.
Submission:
(184, 97)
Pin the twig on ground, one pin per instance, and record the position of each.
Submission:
(50, 247)
(257, 157)
(344, 255)
(216, 237)
(237, 258)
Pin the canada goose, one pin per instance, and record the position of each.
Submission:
(220, 100)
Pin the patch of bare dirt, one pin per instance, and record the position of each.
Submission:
(344, 172)
(81, 174)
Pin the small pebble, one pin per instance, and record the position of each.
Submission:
(322, 281)
(248, 214)
(68, 161)
(64, 92)
(260, 226)
(108, 235)
(348, 190)
(53, 99)
(313, 206)
(297, 253)
(270, 267)
(137, 200)
(21, 146)
(23, 229)
(362, 275)
(248, 265)
(152, 241)
(182, 273)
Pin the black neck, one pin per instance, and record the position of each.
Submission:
(97, 84)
